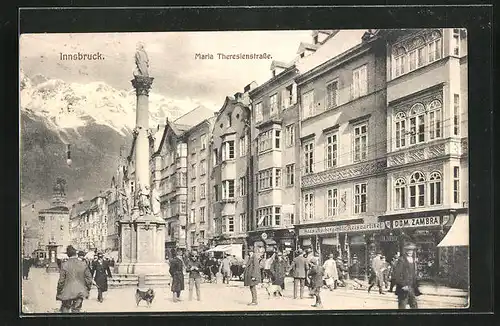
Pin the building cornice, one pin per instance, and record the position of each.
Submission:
(280, 78)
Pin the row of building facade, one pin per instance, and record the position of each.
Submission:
(355, 146)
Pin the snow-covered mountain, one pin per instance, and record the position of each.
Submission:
(95, 118)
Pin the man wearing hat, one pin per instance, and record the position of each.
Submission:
(316, 273)
(176, 271)
(377, 276)
(101, 272)
(405, 276)
(299, 268)
(75, 281)
(251, 275)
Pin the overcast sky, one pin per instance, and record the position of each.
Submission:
(177, 73)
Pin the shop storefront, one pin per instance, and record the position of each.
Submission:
(228, 240)
(282, 240)
(425, 229)
(354, 243)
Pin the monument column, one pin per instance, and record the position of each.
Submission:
(141, 222)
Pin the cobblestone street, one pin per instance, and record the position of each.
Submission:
(40, 290)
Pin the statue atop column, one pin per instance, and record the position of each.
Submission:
(143, 200)
(141, 61)
(155, 202)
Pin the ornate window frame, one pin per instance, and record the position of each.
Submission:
(435, 112)
(419, 192)
(435, 188)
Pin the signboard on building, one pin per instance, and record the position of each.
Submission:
(416, 222)
(342, 228)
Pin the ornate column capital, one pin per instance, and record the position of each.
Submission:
(142, 84)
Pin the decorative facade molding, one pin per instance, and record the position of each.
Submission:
(424, 98)
(415, 41)
(435, 151)
(465, 146)
(416, 155)
(398, 159)
(354, 171)
(142, 85)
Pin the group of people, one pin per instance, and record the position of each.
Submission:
(76, 277)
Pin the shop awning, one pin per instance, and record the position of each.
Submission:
(220, 248)
(458, 235)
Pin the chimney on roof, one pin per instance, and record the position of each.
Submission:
(319, 36)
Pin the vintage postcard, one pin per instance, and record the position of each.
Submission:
(301, 170)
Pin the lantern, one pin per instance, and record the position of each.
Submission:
(68, 155)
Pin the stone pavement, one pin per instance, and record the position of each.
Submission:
(39, 297)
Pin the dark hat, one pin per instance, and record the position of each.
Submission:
(70, 251)
(100, 254)
(410, 245)
(81, 254)
(354, 256)
(330, 255)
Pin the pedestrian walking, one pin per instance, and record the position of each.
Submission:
(225, 269)
(101, 272)
(27, 263)
(340, 271)
(252, 276)
(405, 275)
(194, 266)
(75, 281)
(278, 270)
(267, 266)
(377, 277)
(299, 272)
(317, 273)
(393, 265)
(176, 271)
(331, 272)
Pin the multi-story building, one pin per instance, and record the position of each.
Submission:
(54, 221)
(427, 166)
(77, 221)
(343, 142)
(275, 149)
(230, 171)
(198, 180)
(169, 166)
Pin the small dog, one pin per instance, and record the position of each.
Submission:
(147, 296)
(272, 289)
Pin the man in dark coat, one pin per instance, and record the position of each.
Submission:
(27, 262)
(75, 281)
(279, 268)
(194, 267)
(101, 272)
(405, 276)
(176, 271)
(299, 268)
(252, 276)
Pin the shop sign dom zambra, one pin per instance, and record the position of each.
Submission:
(416, 222)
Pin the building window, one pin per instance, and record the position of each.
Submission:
(290, 175)
(435, 188)
(290, 135)
(268, 216)
(287, 99)
(277, 216)
(223, 225)
(258, 112)
(243, 145)
(193, 171)
(202, 214)
(230, 224)
(228, 150)
(273, 104)
(203, 141)
(183, 207)
(216, 193)
(193, 238)
(309, 157)
(434, 119)
(243, 222)
(228, 189)
(435, 50)
(193, 193)
(331, 202)
(243, 186)
(456, 184)
(308, 206)
(359, 82)
(192, 217)
(456, 41)
(202, 235)
(215, 157)
(456, 114)
(277, 139)
(400, 129)
(360, 142)
(360, 198)
(308, 104)
(417, 124)
(265, 179)
(331, 151)
(400, 193)
(332, 95)
(203, 167)
(417, 190)
(265, 141)
(277, 178)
